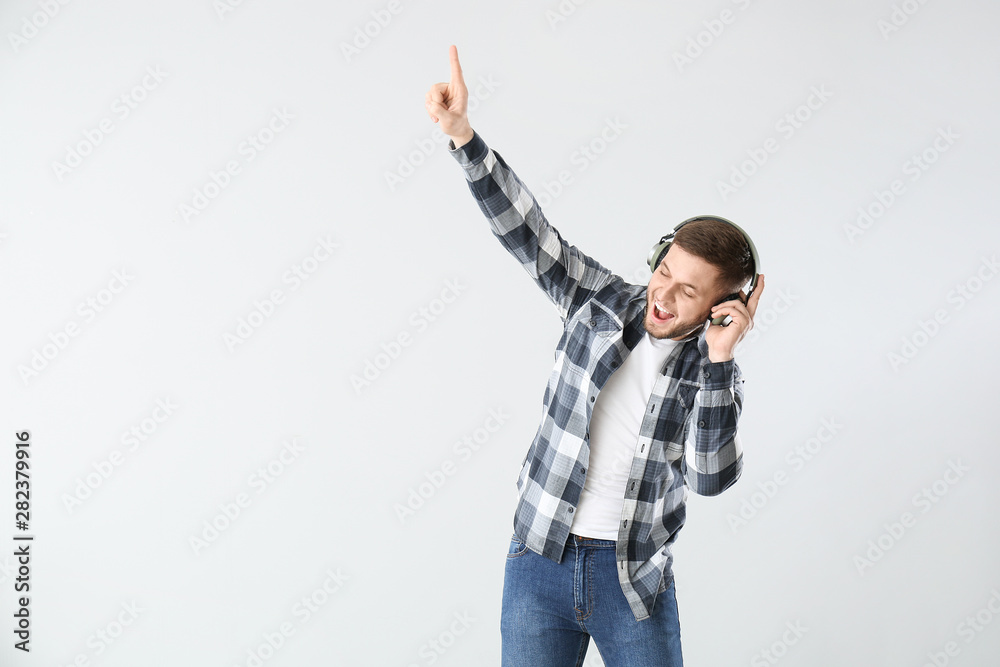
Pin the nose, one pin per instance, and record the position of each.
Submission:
(667, 293)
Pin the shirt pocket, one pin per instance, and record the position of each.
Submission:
(686, 393)
(594, 319)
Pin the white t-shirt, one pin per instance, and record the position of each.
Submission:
(614, 432)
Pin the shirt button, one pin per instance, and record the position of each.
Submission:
(583, 470)
(701, 423)
(591, 323)
(708, 374)
(592, 399)
(570, 510)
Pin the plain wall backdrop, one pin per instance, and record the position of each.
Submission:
(280, 377)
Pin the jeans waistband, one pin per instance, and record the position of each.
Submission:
(581, 541)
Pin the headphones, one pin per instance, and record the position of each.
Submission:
(659, 251)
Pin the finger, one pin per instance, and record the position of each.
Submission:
(755, 298)
(435, 109)
(730, 308)
(437, 91)
(438, 110)
(737, 311)
(456, 68)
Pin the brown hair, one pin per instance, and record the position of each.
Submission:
(721, 245)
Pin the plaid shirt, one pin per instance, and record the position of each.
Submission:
(688, 435)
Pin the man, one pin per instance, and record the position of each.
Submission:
(642, 404)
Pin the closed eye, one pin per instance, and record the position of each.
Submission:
(686, 293)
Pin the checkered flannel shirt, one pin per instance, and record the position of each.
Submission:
(688, 437)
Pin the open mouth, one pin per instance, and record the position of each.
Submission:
(661, 316)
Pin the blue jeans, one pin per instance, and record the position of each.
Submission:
(551, 610)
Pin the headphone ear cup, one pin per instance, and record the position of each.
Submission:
(656, 254)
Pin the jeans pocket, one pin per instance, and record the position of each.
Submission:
(517, 547)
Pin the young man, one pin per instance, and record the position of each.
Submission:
(642, 404)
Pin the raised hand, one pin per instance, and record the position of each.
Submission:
(722, 340)
(447, 103)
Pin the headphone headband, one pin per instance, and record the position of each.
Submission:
(659, 250)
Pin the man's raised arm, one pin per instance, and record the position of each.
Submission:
(567, 276)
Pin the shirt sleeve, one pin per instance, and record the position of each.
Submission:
(713, 456)
(565, 274)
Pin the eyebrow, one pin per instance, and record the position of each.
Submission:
(664, 265)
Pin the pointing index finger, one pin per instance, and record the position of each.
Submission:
(456, 68)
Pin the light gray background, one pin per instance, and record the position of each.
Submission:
(832, 314)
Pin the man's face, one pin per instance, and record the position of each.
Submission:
(681, 294)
